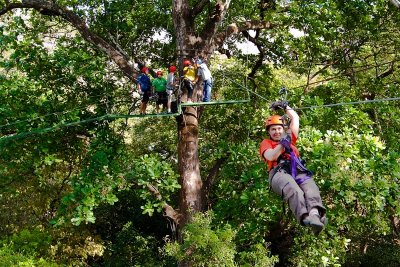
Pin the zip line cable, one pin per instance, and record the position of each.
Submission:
(48, 129)
(113, 116)
(40, 117)
(351, 103)
(104, 117)
(330, 105)
(260, 96)
(223, 73)
(50, 114)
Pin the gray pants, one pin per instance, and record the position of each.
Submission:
(301, 198)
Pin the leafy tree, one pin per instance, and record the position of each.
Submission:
(346, 51)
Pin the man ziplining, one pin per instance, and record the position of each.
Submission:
(288, 177)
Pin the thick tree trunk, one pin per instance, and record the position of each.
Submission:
(190, 200)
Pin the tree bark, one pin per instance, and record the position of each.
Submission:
(190, 200)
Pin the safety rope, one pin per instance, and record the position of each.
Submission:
(48, 129)
(53, 113)
(351, 103)
(117, 116)
(106, 117)
(245, 87)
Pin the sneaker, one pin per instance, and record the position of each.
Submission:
(324, 220)
(314, 221)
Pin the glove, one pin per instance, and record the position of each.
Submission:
(281, 104)
(285, 142)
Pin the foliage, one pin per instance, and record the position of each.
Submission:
(30, 242)
(132, 248)
(96, 181)
(10, 258)
(96, 175)
(27, 248)
(205, 245)
(312, 251)
(359, 184)
(154, 172)
(381, 252)
(257, 255)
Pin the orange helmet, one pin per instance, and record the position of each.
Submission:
(186, 62)
(172, 69)
(159, 72)
(273, 120)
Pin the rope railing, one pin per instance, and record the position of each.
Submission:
(123, 108)
(117, 107)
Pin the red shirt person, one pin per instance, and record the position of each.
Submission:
(288, 176)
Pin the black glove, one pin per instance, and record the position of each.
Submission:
(281, 104)
(285, 142)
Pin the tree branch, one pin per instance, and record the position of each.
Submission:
(216, 17)
(386, 73)
(168, 210)
(9, 7)
(116, 54)
(199, 6)
(236, 28)
(210, 181)
(261, 55)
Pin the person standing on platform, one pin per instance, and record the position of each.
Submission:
(171, 83)
(189, 78)
(144, 87)
(160, 86)
(205, 74)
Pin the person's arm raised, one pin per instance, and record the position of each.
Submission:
(294, 120)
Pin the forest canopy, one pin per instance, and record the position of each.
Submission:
(85, 183)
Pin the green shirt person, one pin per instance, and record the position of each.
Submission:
(160, 86)
(159, 83)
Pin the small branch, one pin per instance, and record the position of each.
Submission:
(225, 51)
(322, 69)
(211, 178)
(49, 8)
(168, 210)
(236, 28)
(199, 6)
(386, 73)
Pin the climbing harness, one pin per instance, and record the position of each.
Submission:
(292, 166)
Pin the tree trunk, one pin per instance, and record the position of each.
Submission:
(190, 200)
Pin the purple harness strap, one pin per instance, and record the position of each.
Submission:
(296, 163)
(293, 163)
